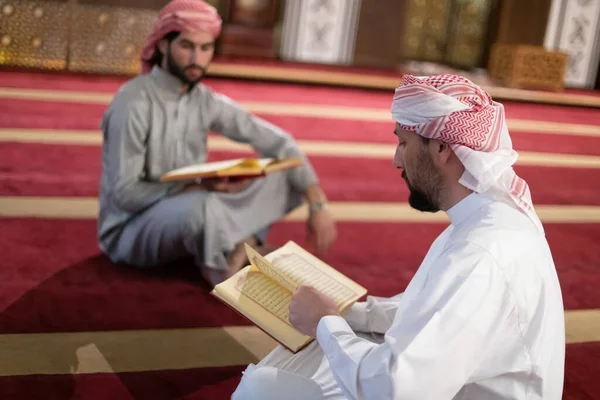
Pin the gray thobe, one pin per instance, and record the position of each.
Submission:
(150, 128)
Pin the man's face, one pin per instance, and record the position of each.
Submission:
(187, 56)
(422, 177)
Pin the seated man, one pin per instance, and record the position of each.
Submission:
(482, 318)
(159, 121)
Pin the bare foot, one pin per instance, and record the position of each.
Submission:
(266, 248)
(237, 260)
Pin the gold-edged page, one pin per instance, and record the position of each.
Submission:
(263, 302)
(213, 166)
(266, 267)
(301, 267)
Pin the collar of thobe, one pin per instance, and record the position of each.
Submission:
(466, 207)
(167, 81)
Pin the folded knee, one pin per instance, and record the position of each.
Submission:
(269, 383)
(193, 212)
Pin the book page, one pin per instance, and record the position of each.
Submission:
(207, 167)
(266, 161)
(281, 164)
(300, 266)
(300, 271)
(267, 268)
(264, 303)
(265, 292)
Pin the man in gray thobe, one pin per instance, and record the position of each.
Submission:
(159, 121)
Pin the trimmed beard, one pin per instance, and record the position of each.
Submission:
(425, 191)
(179, 72)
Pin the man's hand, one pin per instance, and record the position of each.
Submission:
(228, 185)
(307, 308)
(320, 230)
(223, 185)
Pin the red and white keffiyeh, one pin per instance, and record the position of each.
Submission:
(181, 15)
(453, 109)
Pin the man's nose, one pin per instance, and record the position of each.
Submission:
(194, 56)
(398, 159)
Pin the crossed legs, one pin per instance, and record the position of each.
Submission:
(212, 228)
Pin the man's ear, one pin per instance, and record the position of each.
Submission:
(162, 46)
(440, 151)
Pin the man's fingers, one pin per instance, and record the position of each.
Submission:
(325, 241)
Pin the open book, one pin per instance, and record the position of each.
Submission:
(262, 291)
(236, 168)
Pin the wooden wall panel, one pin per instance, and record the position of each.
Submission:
(380, 32)
(522, 22)
(248, 28)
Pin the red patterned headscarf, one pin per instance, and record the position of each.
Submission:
(456, 111)
(181, 15)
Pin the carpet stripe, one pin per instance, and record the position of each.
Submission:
(18, 119)
(49, 118)
(168, 349)
(245, 90)
(374, 80)
(75, 170)
(132, 351)
(12, 110)
(82, 207)
(311, 147)
(303, 110)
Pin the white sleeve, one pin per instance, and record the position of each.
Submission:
(435, 342)
(375, 315)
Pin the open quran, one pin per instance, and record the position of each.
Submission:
(262, 291)
(236, 168)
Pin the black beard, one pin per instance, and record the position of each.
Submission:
(179, 72)
(419, 200)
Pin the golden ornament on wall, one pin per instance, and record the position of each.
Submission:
(38, 12)
(102, 18)
(6, 40)
(108, 39)
(34, 33)
(7, 9)
(129, 50)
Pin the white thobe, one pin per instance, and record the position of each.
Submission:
(481, 319)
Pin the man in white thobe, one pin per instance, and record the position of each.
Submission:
(483, 316)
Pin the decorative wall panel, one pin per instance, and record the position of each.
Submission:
(320, 31)
(34, 34)
(466, 41)
(426, 29)
(108, 39)
(574, 28)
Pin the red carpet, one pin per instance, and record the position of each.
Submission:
(77, 289)
(55, 280)
(27, 114)
(344, 178)
(191, 384)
